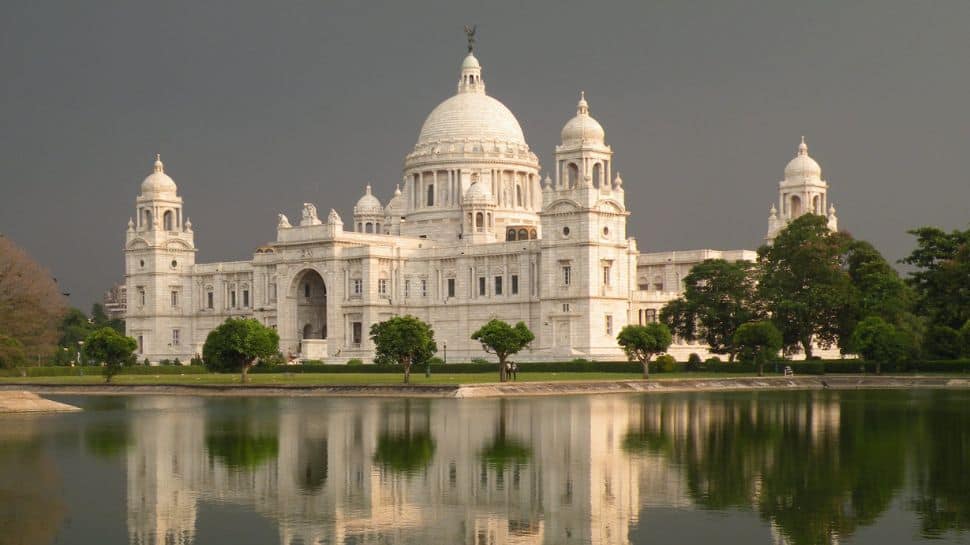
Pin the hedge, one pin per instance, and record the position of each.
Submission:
(814, 367)
(64, 371)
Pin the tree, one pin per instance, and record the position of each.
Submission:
(877, 290)
(942, 276)
(112, 348)
(758, 342)
(404, 340)
(503, 340)
(74, 328)
(642, 342)
(11, 352)
(878, 341)
(942, 343)
(965, 338)
(237, 345)
(31, 305)
(718, 297)
(803, 284)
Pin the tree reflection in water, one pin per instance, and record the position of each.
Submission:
(814, 465)
(404, 450)
(31, 506)
(246, 436)
(504, 450)
(942, 477)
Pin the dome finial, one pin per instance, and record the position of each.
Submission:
(582, 108)
(803, 147)
(470, 33)
(159, 166)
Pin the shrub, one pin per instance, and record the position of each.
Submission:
(436, 361)
(481, 361)
(147, 363)
(693, 362)
(354, 362)
(666, 363)
(176, 361)
(712, 361)
(165, 361)
(195, 361)
(580, 361)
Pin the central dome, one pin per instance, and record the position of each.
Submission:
(471, 116)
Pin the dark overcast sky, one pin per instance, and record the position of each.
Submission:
(257, 107)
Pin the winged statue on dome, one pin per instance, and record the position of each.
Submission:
(470, 32)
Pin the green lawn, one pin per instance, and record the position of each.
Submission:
(309, 379)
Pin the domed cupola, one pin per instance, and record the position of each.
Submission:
(478, 194)
(802, 166)
(582, 129)
(396, 204)
(368, 203)
(803, 191)
(368, 213)
(158, 184)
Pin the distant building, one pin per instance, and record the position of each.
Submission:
(471, 232)
(115, 302)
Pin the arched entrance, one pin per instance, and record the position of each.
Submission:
(311, 306)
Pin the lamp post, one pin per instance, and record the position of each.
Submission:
(80, 345)
(445, 346)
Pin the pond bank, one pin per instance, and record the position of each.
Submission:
(513, 389)
(20, 401)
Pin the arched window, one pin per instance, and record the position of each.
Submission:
(148, 219)
(597, 175)
(168, 220)
(533, 235)
(518, 195)
(523, 234)
(572, 175)
(479, 222)
(431, 195)
(796, 206)
(817, 204)
(368, 227)
(306, 290)
(360, 227)
(307, 331)
(510, 235)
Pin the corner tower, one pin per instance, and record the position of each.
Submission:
(588, 261)
(802, 191)
(159, 257)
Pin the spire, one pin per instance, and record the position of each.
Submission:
(803, 147)
(159, 166)
(367, 189)
(397, 190)
(582, 108)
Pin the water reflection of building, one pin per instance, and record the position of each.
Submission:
(499, 472)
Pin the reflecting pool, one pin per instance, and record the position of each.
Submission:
(766, 467)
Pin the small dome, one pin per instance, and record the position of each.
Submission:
(583, 128)
(158, 183)
(802, 166)
(396, 205)
(470, 63)
(368, 204)
(478, 192)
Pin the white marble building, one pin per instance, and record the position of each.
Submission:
(470, 233)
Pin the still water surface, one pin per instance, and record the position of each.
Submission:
(781, 467)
